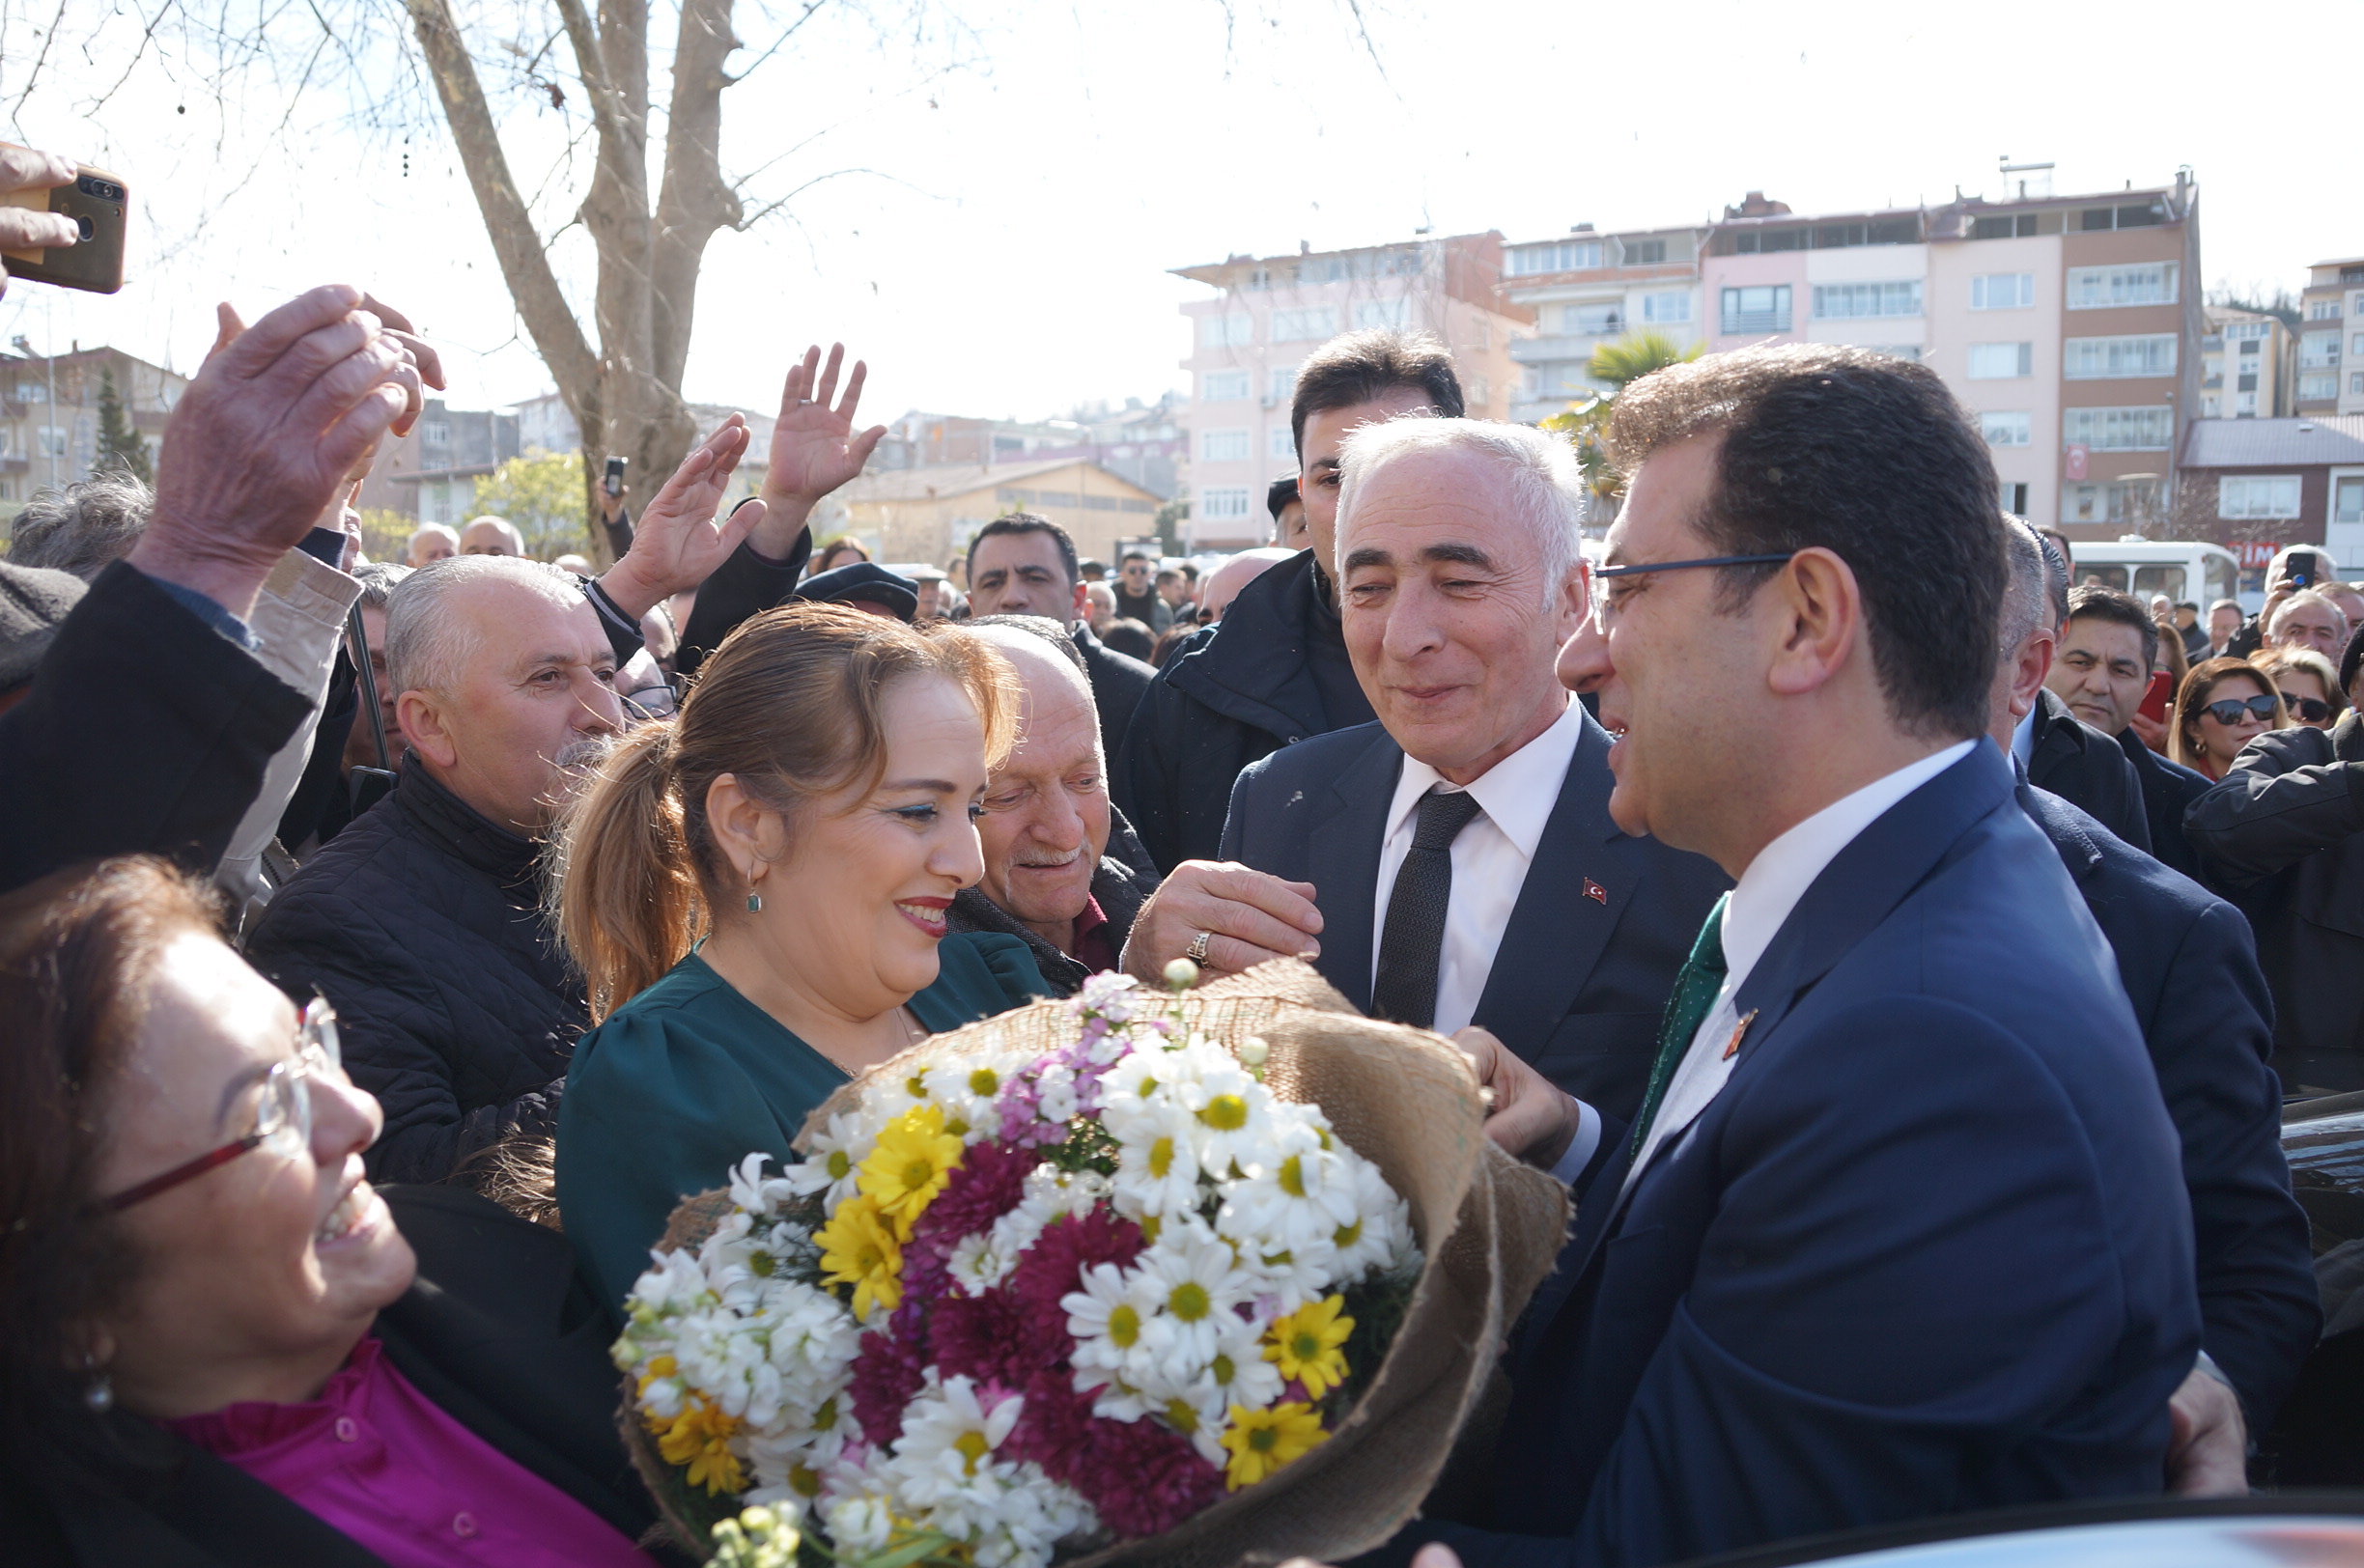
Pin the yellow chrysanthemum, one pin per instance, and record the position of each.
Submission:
(1308, 1344)
(860, 1248)
(1262, 1441)
(912, 1160)
(699, 1437)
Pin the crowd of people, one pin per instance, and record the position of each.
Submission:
(390, 946)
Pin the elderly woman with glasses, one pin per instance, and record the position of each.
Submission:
(2224, 704)
(217, 1342)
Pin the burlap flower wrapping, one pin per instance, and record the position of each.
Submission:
(1488, 1227)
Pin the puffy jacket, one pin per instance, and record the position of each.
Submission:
(422, 924)
(2282, 835)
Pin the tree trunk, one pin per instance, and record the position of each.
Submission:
(626, 396)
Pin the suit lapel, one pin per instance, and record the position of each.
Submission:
(1559, 927)
(1343, 864)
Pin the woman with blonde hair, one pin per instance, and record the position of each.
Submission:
(2310, 687)
(755, 892)
(2223, 704)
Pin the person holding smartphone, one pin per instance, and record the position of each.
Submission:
(24, 171)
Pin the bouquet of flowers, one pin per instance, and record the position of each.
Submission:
(1020, 1305)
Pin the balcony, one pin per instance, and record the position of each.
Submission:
(1558, 350)
(1754, 322)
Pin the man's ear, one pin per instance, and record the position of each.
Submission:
(1080, 609)
(421, 718)
(1814, 614)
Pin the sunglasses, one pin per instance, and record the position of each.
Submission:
(2229, 712)
(283, 1114)
(2308, 710)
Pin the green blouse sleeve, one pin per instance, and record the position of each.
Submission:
(981, 973)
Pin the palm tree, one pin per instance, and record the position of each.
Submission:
(1615, 366)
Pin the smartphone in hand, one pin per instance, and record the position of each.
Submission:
(2301, 567)
(614, 481)
(101, 205)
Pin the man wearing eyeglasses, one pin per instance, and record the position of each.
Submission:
(1899, 1229)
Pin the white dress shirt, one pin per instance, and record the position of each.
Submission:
(2023, 735)
(1768, 890)
(1491, 858)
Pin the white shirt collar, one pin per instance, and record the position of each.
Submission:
(1784, 869)
(1517, 793)
(2023, 733)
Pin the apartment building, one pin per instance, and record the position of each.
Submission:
(50, 413)
(1142, 442)
(1588, 289)
(2331, 338)
(2067, 326)
(2267, 483)
(930, 512)
(1269, 313)
(2248, 366)
(431, 474)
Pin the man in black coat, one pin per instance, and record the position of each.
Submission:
(1026, 565)
(422, 921)
(2190, 969)
(1063, 871)
(1275, 670)
(2282, 834)
(150, 723)
(2108, 648)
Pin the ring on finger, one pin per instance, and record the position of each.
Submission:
(1196, 951)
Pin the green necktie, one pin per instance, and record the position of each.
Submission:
(1695, 994)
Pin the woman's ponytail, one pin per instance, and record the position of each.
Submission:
(625, 889)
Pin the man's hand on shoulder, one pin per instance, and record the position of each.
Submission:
(1527, 1117)
(1248, 916)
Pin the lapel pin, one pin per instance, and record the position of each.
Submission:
(1595, 891)
(1739, 1029)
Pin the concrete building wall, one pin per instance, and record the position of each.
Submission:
(2018, 414)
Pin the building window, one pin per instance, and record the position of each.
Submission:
(2009, 226)
(2247, 330)
(2015, 498)
(1896, 350)
(1223, 446)
(2348, 501)
(1644, 252)
(2356, 345)
(1759, 241)
(2150, 354)
(2005, 429)
(1223, 386)
(2129, 501)
(1279, 444)
(2209, 406)
(2144, 427)
(1310, 324)
(1759, 308)
(1480, 392)
(2003, 290)
(1386, 314)
(2318, 351)
(1591, 320)
(2132, 216)
(1674, 305)
(1841, 301)
(1231, 330)
(2249, 348)
(2257, 496)
(2001, 361)
(2356, 382)
(32, 392)
(2106, 288)
(2323, 310)
(1567, 256)
(1222, 505)
(2244, 405)
(2313, 387)
(2246, 381)
(434, 435)
(51, 439)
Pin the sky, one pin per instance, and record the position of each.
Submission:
(984, 201)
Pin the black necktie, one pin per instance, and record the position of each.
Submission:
(1413, 938)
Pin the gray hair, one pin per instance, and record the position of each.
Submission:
(516, 541)
(1540, 470)
(81, 527)
(426, 528)
(377, 581)
(2304, 595)
(429, 645)
(2027, 585)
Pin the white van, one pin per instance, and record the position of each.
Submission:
(2185, 570)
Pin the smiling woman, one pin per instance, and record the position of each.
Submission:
(756, 892)
(212, 1348)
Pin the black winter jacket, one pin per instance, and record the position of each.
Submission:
(2076, 762)
(2169, 790)
(1233, 694)
(2282, 834)
(422, 924)
(1118, 682)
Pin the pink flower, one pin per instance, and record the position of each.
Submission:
(986, 1185)
(1141, 1477)
(994, 1337)
(885, 1375)
(1050, 1268)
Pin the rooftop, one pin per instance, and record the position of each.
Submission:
(937, 480)
(2265, 443)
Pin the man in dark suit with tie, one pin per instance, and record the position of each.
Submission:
(1899, 1229)
(1459, 850)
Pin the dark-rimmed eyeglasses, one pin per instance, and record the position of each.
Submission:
(2306, 709)
(283, 1113)
(1601, 606)
(2228, 713)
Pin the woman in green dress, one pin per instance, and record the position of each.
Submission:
(755, 891)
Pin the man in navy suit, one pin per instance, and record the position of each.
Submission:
(1524, 908)
(1899, 1229)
